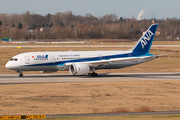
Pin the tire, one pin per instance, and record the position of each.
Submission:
(20, 75)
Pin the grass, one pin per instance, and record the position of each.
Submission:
(120, 110)
(143, 109)
(134, 117)
(89, 97)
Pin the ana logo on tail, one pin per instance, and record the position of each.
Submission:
(146, 38)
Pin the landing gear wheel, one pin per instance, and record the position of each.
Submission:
(93, 74)
(21, 75)
(89, 74)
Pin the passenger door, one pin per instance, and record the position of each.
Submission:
(26, 58)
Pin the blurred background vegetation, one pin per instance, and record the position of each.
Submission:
(66, 25)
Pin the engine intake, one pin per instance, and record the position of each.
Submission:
(79, 69)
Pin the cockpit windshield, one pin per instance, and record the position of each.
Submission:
(13, 59)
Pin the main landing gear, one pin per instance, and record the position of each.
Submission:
(93, 74)
(20, 73)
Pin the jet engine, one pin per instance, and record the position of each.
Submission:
(79, 69)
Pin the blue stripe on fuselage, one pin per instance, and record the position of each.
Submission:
(61, 63)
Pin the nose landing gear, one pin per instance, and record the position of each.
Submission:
(20, 73)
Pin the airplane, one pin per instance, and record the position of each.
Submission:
(85, 62)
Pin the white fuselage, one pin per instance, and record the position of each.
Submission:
(54, 61)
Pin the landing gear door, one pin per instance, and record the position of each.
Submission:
(53, 59)
(26, 58)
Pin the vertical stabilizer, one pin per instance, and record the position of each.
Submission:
(143, 45)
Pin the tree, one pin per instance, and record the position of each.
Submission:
(34, 26)
(13, 26)
(46, 25)
(20, 26)
(121, 19)
(51, 25)
(43, 25)
(27, 19)
(132, 26)
(0, 22)
(48, 15)
(62, 24)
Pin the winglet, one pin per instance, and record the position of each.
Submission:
(143, 45)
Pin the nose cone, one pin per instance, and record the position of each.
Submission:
(8, 66)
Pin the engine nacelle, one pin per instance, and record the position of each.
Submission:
(50, 71)
(79, 69)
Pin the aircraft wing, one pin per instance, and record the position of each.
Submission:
(106, 62)
(113, 60)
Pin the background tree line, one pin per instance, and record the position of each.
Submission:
(66, 25)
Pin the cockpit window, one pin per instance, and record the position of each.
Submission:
(13, 59)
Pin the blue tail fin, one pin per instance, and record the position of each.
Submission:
(143, 45)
